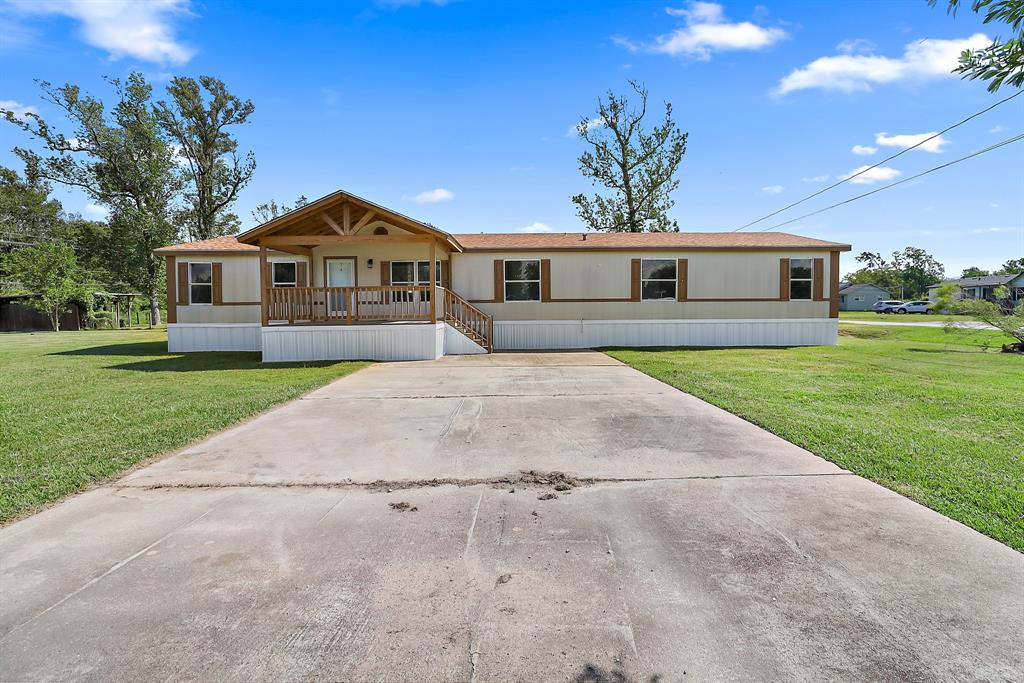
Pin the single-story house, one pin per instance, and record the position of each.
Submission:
(344, 278)
(984, 287)
(860, 297)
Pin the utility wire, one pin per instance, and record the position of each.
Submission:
(900, 182)
(883, 161)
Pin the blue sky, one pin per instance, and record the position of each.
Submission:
(459, 113)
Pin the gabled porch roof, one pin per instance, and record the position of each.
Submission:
(338, 215)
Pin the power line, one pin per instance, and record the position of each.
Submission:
(883, 161)
(900, 182)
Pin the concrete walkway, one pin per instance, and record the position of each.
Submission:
(692, 545)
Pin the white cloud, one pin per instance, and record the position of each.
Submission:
(934, 146)
(17, 108)
(815, 179)
(94, 211)
(979, 231)
(593, 123)
(921, 60)
(537, 227)
(863, 150)
(873, 176)
(706, 31)
(773, 189)
(409, 3)
(997, 129)
(433, 196)
(123, 28)
(855, 46)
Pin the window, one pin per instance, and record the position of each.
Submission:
(858, 298)
(200, 283)
(800, 277)
(658, 279)
(413, 273)
(522, 280)
(285, 274)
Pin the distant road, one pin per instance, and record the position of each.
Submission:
(966, 325)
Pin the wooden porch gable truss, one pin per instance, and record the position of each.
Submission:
(340, 217)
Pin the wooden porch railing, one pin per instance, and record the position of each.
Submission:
(468, 319)
(410, 303)
(388, 303)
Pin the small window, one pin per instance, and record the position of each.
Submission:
(801, 272)
(522, 280)
(380, 230)
(200, 283)
(658, 279)
(413, 273)
(285, 274)
(858, 298)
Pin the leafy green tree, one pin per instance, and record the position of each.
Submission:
(974, 271)
(122, 160)
(638, 168)
(51, 274)
(197, 118)
(991, 313)
(1002, 61)
(907, 275)
(27, 214)
(268, 211)
(1014, 265)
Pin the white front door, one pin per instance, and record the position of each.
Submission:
(341, 272)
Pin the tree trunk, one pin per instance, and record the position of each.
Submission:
(55, 319)
(154, 307)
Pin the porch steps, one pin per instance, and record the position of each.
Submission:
(469, 320)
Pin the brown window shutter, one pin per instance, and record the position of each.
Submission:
(819, 279)
(499, 281)
(682, 266)
(218, 284)
(634, 284)
(172, 290)
(833, 285)
(301, 274)
(183, 284)
(784, 279)
(545, 279)
(446, 274)
(385, 273)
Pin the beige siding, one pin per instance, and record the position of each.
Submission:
(240, 277)
(606, 275)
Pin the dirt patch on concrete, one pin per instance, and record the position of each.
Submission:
(557, 481)
(402, 506)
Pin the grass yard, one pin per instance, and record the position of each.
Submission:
(77, 408)
(897, 318)
(935, 416)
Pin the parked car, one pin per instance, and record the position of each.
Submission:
(886, 306)
(924, 307)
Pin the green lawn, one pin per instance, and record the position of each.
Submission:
(77, 408)
(935, 416)
(897, 318)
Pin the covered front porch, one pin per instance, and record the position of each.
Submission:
(359, 264)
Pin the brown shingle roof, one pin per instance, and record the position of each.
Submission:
(559, 241)
(646, 240)
(229, 243)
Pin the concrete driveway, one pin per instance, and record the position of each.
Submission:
(689, 545)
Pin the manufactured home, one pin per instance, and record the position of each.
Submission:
(344, 278)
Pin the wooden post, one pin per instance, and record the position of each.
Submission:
(433, 282)
(264, 309)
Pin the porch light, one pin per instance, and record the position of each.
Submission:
(369, 264)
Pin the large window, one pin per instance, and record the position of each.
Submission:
(285, 274)
(658, 279)
(522, 280)
(413, 273)
(200, 283)
(801, 276)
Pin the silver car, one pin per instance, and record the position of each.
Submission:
(924, 307)
(886, 306)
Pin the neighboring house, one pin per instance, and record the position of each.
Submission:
(984, 287)
(343, 277)
(860, 297)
